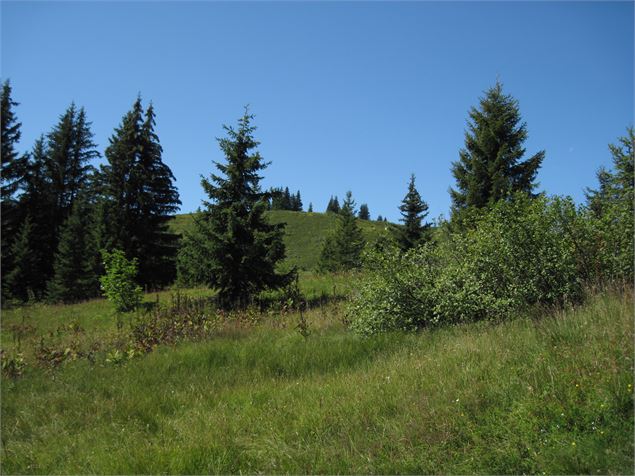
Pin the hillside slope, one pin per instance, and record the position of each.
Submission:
(528, 396)
(305, 233)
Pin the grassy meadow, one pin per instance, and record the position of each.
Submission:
(304, 234)
(532, 395)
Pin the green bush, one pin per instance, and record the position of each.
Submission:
(520, 253)
(118, 284)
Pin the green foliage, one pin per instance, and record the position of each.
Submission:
(364, 213)
(490, 168)
(333, 205)
(236, 247)
(139, 197)
(612, 208)
(413, 211)
(514, 256)
(75, 276)
(342, 250)
(118, 284)
(22, 280)
(282, 199)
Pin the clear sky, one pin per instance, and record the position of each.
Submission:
(346, 95)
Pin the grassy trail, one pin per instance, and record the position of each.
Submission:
(552, 395)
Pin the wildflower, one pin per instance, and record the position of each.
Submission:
(573, 443)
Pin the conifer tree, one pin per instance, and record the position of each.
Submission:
(333, 205)
(310, 210)
(364, 214)
(236, 248)
(490, 167)
(342, 250)
(70, 150)
(75, 276)
(11, 175)
(139, 197)
(413, 212)
(379, 218)
(21, 281)
(297, 202)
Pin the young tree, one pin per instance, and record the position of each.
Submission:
(238, 248)
(490, 167)
(139, 197)
(75, 276)
(21, 281)
(413, 211)
(342, 250)
(364, 214)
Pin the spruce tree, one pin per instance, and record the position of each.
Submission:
(379, 218)
(237, 247)
(139, 198)
(333, 205)
(342, 250)
(364, 214)
(23, 279)
(297, 202)
(490, 166)
(75, 276)
(11, 175)
(310, 210)
(70, 150)
(413, 212)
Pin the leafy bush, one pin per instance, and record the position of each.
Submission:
(520, 253)
(118, 284)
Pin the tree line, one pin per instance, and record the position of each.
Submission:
(59, 210)
(59, 213)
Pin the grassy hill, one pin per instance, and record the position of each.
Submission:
(534, 396)
(305, 233)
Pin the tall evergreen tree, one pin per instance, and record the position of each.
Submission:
(70, 151)
(333, 205)
(297, 202)
(490, 167)
(234, 247)
(413, 212)
(75, 276)
(11, 175)
(310, 210)
(342, 250)
(139, 198)
(364, 213)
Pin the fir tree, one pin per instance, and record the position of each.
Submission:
(75, 276)
(379, 218)
(69, 153)
(23, 278)
(333, 205)
(364, 214)
(11, 175)
(237, 249)
(310, 210)
(297, 202)
(413, 211)
(342, 250)
(490, 167)
(139, 198)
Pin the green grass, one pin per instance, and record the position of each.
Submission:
(550, 395)
(305, 233)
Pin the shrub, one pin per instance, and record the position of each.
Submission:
(520, 253)
(118, 284)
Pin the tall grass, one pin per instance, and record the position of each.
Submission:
(550, 395)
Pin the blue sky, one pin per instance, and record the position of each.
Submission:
(346, 95)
